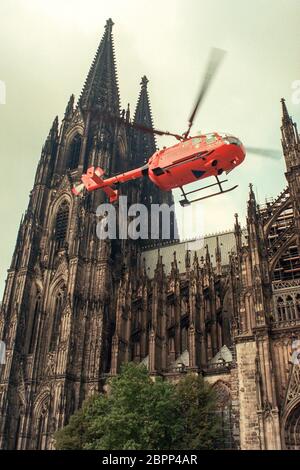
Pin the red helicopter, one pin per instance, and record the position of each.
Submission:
(192, 159)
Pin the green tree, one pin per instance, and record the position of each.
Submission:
(197, 408)
(141, 413)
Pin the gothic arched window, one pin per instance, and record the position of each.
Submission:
(74, 152)
(290, 307)
(171, 346)
(183, 339)
(41, 427)
(61, 223)
(280, 309)
(56, 321)
(292, 429)
(223, 411)
(34, 325)
(287, 267)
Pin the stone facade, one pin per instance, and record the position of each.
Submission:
(76, 307)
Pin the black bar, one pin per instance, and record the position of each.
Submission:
(100, 459)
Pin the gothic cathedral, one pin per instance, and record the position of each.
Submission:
(76, 307)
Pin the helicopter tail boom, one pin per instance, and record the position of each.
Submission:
(93, 179)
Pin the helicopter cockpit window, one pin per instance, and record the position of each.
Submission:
(211, 138)
(196, 140)
(232, 140)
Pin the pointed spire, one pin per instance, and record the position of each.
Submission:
(188, 259)
(70, 107)
(251, 193)
(207, 267)
(127, 116)
(195, 263)
(201, 262)
(159, 270)
(159, 259)
(285, 114)
(109, 25)
(252, 206)
(174, 265)
(207, 255)
(237, 233)
(237, 223)
(218, 255)
(54, 128)
(144, 82)
(101, 86)
(144, 143)
(52, 139)
(290, 139)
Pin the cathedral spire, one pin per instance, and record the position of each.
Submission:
(101, 86)
(252, 206)
(70, 107)
(52, 139)
(290, 139)
(159, 269)
(54, 128)
(145, 144)
(195, 263)
(174, 266)
(238, 233)
(127, 115)
(285, 114)
(207, 256)
(218, 255)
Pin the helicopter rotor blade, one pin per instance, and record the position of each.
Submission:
(113, 118)
(148, 130)
(215, 59)
(263, 152)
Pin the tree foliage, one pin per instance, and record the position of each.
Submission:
(142, 413)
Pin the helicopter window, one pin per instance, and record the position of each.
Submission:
(198, 173)
(158, 171)
(211, 138)
(232, 140)
(196, 140)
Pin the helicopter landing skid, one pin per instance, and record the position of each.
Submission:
(185, 201)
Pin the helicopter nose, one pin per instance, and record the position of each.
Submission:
(239, 154)
(243, 150)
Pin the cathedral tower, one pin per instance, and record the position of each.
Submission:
(58, 316)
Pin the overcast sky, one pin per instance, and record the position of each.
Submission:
(46, 48)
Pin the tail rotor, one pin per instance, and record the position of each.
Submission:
(78, 189)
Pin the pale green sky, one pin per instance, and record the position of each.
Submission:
(46, 48)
